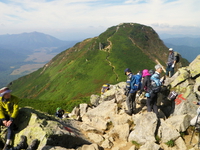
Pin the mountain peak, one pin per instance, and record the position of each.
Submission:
(82, 69)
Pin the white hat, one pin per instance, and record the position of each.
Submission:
(171, 49)
(4, 90)
(158, 66)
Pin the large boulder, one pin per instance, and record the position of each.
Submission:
(145, 127)
(49, 130)
(179, 122)
(194, 67)
(183, 74)
(99, 117)
(167, 132)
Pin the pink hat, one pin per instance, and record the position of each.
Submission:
(145, 73)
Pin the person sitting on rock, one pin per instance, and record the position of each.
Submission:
(23, 145)
(196, 119)
(59, 112)
(105, 88)
(8, 111)
(197, 95)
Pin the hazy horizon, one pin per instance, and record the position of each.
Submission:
(81, 19)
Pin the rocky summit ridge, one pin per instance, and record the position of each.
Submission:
(103, 124)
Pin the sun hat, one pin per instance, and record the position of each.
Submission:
(145, 73)
(4, 90)
(170, 49)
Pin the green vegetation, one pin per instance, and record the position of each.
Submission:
(137, 145)
(170, 143)
(157, 139)
(182, 134)
(73, 75)
(49, 106)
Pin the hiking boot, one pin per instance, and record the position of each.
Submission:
(34, 145)
(23, 142)
(197, 129)
(128, 112)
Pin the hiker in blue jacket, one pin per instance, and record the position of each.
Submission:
(152, 94)
(130, 91)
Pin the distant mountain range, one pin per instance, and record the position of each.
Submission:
(33, 48)
(188, 47)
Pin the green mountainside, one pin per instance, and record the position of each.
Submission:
(76, 73)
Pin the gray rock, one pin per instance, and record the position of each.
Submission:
(180, 144)
(183, 74)
(96, 138)
(83, 109)
(168, 132)
(120, 131)
(107, 144)
(90, 147)
(94, 99)
(144, 130)
(179, 122)
(150, 146)
(47, 129)
(194, 67)
(100, 116)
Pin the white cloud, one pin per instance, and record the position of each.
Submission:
(59, 16)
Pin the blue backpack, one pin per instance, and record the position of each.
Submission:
(155, 83)
(136, 82)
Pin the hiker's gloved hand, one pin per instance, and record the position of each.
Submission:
(172, 65)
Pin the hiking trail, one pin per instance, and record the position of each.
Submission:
(108, 50)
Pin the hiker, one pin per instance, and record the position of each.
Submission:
(8, 111)
(197, 95)
(171, 62)
(105, 88)
(130, 91)
(145, 82)
(193, 121)
(153, 90)
(23, 145)
(59, 112)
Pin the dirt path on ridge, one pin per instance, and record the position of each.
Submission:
(108, 50)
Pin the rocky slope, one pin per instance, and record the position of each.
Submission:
(104, 125)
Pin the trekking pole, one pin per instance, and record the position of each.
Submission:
(194, 129)
(198, 141)
(5, 146)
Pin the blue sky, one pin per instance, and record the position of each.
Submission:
(81, 19)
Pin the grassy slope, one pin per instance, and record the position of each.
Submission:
(73, 75)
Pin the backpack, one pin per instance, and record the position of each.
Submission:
(177, 55)
(136, 82)
(172, 95)
(155, 85)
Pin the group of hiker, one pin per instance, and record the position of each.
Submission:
(149, 81)
(151, 84)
